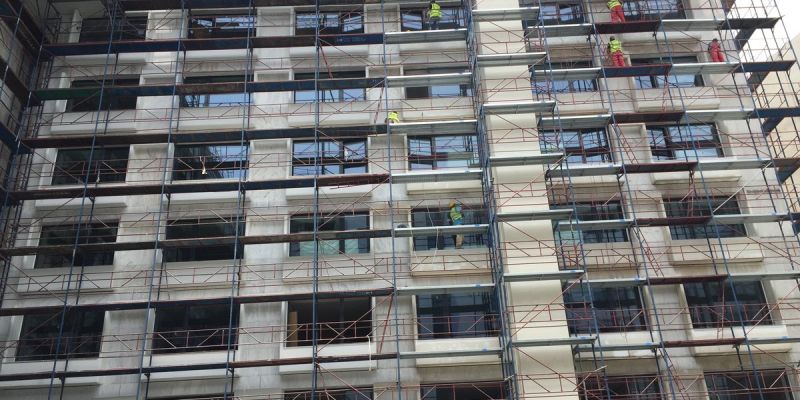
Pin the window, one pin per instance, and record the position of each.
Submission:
(61, 235)
(351, 222)
(363, 393)
(712, 304)
(203, 100)
(640, 387)
(684, 142)
(438, 217)
(611, 210)
(200, 228)
(653, 9)
(329, 23)
(81, 335)
(580, 146)
(90, 97)
(742, 385)
(330, 95)
(417, 20)
(448, 316)
(617, 309)
(542, 85)
(221, 26)
(701, 207)
(216, 396)
(100, 29)
(187, 328)
(437, 152)
(337, 157)
(657, 81)
(437, 91)
(462, 391)
(557, 13)
(345, 320)
(108, 164)
(209, 161)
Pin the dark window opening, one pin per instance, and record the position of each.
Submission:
(674, 80)
(640, 387)
(204, 228)
(588, 211)
(210, 161)
(437, 91)
(580, 146)
(742, 385)
(617, 309)
(330, 95)
(684, 142)
(437, 152)
(65, 235)
(90, 101)
(345, 320)
(362, 393)
(329, 157)
(202, 100)
(712, 305)
(216, 396)
(81, 336)
(108, 164)
(417, 19)
(437, 217)
(543, 84)
(100, 29)
(463, 391)
(351, 222)
(637, 10)
(448, 316)
(221, 26)
(701, 207)
(188, 328)
(556, 13)
(329, 23)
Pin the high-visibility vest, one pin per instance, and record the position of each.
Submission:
(393, 116)
(435, 11)
(613, 3)
(455, 214)
(614, 46)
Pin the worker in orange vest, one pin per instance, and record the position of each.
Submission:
(715, 50)
(617, 15)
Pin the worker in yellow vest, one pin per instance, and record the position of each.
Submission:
(434, 15)
(617, 14)
(615, 52)
(393, 117)
(456, 219)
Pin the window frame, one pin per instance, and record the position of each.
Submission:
(546, 86)
(486, 390)
(592, 211)
(438, 217)
(330, 329)
(347, 393)
(214, 100)
(340, 17)
(191, 167)
(579, 154)
(207, 252)
(330, 95)
(92, 102)
(161, 335)
(709, 308)
(221, 30)
(670, 146)
(103, 159)
(444, 312)
(608, 304)
(73, 329)
(646, 387)
(639, 10)
(644, 82)
(335, 223)
(342, 161)
(419, 160)
(685, 207)
(452, 18)
(430, 92)
(91, 233)
(133, 28)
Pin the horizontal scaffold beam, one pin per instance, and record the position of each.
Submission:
(665, 68)
(721, 164)
(747, 25)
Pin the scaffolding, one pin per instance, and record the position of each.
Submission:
(531, 80)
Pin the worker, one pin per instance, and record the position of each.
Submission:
(456, 219)
(715, 51)
(615, 52)
(434, 15)
(393, 118)
(617, 14)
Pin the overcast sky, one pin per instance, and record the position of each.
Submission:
(791, 10)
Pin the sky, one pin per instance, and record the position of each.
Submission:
(791, 10)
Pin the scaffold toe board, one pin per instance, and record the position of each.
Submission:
(518, 107)
(765, 66)
(535, 215)
(575, 122)
(445, 289)
(585, 170)
(694, 116)
(561, 341)
(737, 219)
(704, 68)
(563, 275)
(627, 27)
(457, 78)
(568, 225)
(437, 176)
(505, 14)
(749, 23)
(563, 30)
(533, 159)
(689, 25)
(766, 275)
(435, 128)
(511, 59)
(433, 36)
(440, 230)
(562, 74)
(415, 355)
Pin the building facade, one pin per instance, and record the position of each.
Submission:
(249, 199)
